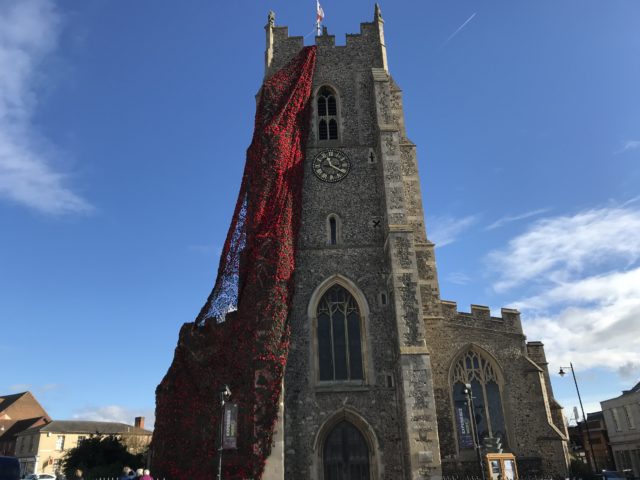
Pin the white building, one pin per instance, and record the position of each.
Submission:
(622, 416)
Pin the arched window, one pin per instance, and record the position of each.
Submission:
(334, 230)
(339, 340)
(475, 369)
(345, 454)
(327, 114)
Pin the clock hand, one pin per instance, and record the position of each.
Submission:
(335, 167)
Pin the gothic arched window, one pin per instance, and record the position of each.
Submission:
(327, 110)
(339, 339)
(345, 454)
(475, 369)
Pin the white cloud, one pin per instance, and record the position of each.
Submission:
(19, 387)
(514, 218)
(591, 403)
(592, 322)
(594, 290)
(28, 33)
(116, 413)
(458, 278)
(446, 229)
(629, 371)
(629, 145)
(581, 282)
(559, 247)
(23, 387)
(47, 387)
(631, 200)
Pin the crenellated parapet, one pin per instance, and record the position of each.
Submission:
(280, 48)
(480, 317)
(367, 47)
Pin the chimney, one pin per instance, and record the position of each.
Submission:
(139, 422)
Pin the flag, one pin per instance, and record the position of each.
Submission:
(319, 13)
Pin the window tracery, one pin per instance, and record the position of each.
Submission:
(486, 386)
(345, 454)
(327, 112)
(339, 336)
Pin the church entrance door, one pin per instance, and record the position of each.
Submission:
(346, 454)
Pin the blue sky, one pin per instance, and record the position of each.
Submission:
(123, 127)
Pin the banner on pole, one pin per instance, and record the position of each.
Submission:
(230, 432)
(463, 423)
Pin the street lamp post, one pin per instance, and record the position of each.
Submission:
(474, 426)
(584, 418)
(225, 393)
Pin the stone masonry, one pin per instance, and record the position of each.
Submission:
(536, 431)
(384, 259)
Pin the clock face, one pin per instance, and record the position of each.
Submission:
(331, 165)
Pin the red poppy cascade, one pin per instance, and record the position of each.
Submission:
(241, 336)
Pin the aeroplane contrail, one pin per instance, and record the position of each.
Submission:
(459, 29)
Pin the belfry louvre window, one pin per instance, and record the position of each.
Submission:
(339, 342)
(473, 368)
(327, 108)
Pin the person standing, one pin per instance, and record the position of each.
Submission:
(147, 475)
(125, 473)
(77, 475)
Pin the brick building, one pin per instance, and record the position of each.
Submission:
(18, 412)
(596, 440)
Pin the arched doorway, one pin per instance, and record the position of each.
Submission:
(345, 454)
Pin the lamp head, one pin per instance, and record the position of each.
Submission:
(225, 392)
(561, 372)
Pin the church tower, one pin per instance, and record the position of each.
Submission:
(378, 363)
(358, 392)
(326, 318)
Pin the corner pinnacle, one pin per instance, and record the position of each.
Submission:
(377, 14)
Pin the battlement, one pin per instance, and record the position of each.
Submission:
(480, 317)
(281, 37)
(366, 47)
